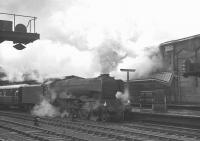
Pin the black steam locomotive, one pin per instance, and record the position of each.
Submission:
(93, 98)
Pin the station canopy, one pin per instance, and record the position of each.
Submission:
(163, 79)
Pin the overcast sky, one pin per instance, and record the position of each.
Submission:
(73, 32)
(170, 19)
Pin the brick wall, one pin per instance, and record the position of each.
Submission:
(190, 91)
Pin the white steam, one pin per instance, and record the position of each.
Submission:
(110, 54)
(85, 39)
(45, 109)
(123, 97)
(44, 59)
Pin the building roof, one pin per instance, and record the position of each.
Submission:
(13, 86)
(163, 77)
(181, 40)
(189, 43)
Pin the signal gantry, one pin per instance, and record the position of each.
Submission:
(19, 34)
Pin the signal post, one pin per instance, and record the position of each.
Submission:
(127, 71)
(127, 85)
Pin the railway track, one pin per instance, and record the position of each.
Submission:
(7, 135)
(126, 131)
(186, 133)
(35, 133)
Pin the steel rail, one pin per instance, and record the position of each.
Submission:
(112, 132)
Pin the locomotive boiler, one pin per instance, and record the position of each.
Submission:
(92, 98)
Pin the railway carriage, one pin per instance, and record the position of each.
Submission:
(21, 95)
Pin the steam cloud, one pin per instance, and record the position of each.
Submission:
(124, 97)
(110, 55)
(89, 37)
(82, 39)
(45, 109)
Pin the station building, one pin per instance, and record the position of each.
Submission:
(182, 58)
(179, 80)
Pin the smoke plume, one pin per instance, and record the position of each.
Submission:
(110, 54)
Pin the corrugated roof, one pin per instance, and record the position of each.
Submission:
(163, 77)
(166, 77)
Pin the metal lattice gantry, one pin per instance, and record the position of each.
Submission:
(16, 32)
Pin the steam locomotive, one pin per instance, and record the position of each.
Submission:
(92, 98)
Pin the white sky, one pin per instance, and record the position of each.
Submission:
(73, 30)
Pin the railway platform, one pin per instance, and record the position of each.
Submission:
(193, 107)
(179, 117)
